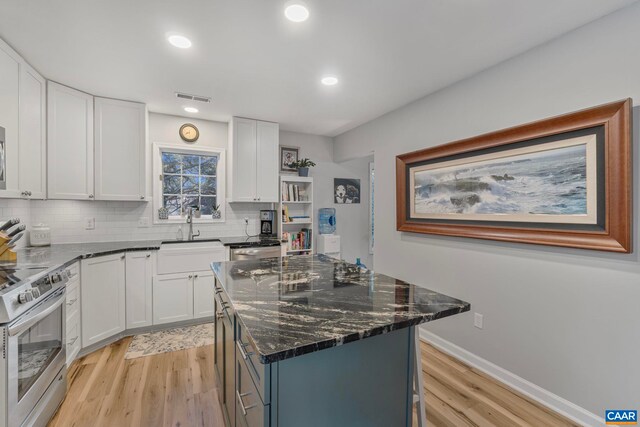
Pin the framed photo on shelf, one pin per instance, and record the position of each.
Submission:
(564, 181)
(288, 155)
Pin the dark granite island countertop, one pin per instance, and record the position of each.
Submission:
(297, 305)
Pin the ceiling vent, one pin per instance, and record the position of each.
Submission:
(189, 97)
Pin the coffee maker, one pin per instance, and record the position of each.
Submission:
(268, 227)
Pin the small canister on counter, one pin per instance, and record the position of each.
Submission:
(40, 235)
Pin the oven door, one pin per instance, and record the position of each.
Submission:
(35, 355)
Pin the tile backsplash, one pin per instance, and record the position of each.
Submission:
(116, 221)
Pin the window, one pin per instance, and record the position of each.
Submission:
(189, 177)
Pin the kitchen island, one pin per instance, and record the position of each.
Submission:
(312, 341)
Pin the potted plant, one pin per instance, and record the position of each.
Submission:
(303, 166)
(216, 214)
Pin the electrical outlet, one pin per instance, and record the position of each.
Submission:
(143, 221)
(478, 319)
(90, 224)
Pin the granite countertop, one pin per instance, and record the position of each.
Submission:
(296, 305)
(40, 260)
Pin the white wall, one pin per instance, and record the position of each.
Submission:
(566, 320)
(353, 220)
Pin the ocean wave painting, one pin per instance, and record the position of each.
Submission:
(553, 182)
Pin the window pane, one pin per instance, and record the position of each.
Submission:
(172, 203)
(190, 185)
(189, 201)
(171, 184)
(208, 185)
(208, 203)
(208, 165)
(191, 165)
(171, 162)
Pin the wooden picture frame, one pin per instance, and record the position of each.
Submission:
(598, 218)
(287, 155)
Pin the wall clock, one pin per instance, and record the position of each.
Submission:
(189, 132)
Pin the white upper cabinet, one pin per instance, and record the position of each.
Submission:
(253, 147)
(268, 137)
(9, 119)
(70, 143)
(22, 115)
(32, 169)
(120, 141)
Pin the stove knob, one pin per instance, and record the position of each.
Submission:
(25, 297)
(55, 278)
(35, 292)
(47, 280)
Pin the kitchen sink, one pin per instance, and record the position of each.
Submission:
(188, 256)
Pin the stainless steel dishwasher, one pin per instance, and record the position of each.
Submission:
(255, 252)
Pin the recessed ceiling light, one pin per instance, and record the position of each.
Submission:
(296, 11)
(329, 80)
(191, 109)
(179, 41)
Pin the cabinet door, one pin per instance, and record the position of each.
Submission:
(102, 292)
(268, 164)
(172, 298)
(120, 138)
(203, 299)
(9, 113)
(139, 284)
(32, 156)
(243, 153)
(69, 143)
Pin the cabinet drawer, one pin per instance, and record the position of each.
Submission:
(73, 301)
(259, 373)
(250, 410)
(73, 342)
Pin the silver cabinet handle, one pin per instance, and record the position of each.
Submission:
(91, 196)
(195, 275)
(29, 193)
(141, 197)
(72, 301)
(122, 257)
(243, 352)
(148, 255)
(24, 193)
(244, 408)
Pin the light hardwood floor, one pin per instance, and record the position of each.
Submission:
(178, 389)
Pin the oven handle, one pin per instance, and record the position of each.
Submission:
(46, 309)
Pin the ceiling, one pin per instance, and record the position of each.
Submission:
(255, 63)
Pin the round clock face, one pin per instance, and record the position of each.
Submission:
(189, 132)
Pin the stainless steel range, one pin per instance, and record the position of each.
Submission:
(32, 367)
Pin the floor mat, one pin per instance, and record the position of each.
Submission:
(170, 340)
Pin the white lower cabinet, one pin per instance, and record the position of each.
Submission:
(172, 297)
(102, 295)
(139, 284)
(203, 302)
(73, 324)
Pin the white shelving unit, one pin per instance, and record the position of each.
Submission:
(296, 206)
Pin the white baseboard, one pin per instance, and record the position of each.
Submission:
(532, 391)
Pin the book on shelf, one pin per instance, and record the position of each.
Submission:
(303, 218)
(293, 193)
(297, 241)
(285, 214)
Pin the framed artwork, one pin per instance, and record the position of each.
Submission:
(288, 155)
(564, 181)
(346, 190)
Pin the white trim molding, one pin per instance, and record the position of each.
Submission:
(527, 388)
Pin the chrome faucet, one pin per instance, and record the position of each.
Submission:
(190, 210)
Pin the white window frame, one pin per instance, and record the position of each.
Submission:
(221, 200)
